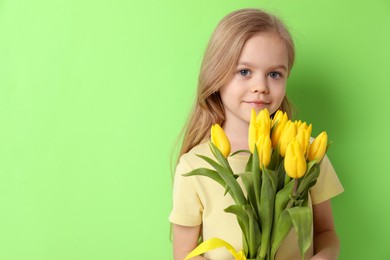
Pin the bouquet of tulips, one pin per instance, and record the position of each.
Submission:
(283, 165)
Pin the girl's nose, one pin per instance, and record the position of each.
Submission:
(260, 87)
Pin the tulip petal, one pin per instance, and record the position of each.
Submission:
(289, 132)
(294, 161)
(220, 140)
(317, 148)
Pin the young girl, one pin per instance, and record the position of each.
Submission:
(246, 65)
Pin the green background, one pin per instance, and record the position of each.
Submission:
(94, 93)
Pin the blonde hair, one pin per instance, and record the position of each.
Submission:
(219, 63)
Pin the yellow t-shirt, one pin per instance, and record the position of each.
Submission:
(199, 200)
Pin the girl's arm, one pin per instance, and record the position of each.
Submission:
(185, 239)
(326, 242)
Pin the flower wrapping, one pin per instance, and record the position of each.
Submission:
(281, 169)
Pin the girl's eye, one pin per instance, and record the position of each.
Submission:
(244, 72)
(275, 74)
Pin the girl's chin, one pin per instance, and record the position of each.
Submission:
(259, 107)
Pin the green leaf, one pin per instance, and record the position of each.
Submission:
(281, 172)
(247, 180)
(249, 164)
(240, 213)
(219, 168)
(273, 177)
(207, 172)
(309, 180)
(296, 201)
(256, 179)
(211, 174)
(268, 190)
(243, 221)
(275, 158)
(220, 158)
(227, 175)
(240, 151)
(255, 161)
(252, 231)
(282, 198)
(311, 164)
(302, 220)
(281, 230)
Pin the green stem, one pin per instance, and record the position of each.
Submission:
(289, 205)
(286, 179)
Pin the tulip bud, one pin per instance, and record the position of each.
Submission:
(317, 148)
(280, 119)
(298, 123)
(263, 123)
(303, 136)
(220, 140)
(289, 132)
(277, 117)
(264, 147)
(263, 115)
(294, 161)
(259, 125)
(303, 126)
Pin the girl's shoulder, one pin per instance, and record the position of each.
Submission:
(192, 158)
(200, 149)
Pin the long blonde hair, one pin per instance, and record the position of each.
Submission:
(220, 61)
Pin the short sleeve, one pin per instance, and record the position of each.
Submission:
(187, 208)
(328, 184)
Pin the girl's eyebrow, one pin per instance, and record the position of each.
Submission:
(280, 67)
(244, 63)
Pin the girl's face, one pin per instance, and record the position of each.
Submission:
(259, 80)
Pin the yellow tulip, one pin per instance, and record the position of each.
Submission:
(317, 148)
(277, 117)
(304, 126)
(264, 121)
(264, 147)
(252, 133)
(280, 119)
(298, 123)
(259, 125)
(303, 136)
(289, 132)
(264, 113)
(220, 140)
(294, 161)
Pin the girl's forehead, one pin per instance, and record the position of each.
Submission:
(264, 48)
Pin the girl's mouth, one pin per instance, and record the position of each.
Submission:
(257, 104)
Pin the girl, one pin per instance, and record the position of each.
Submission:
(246, 65)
